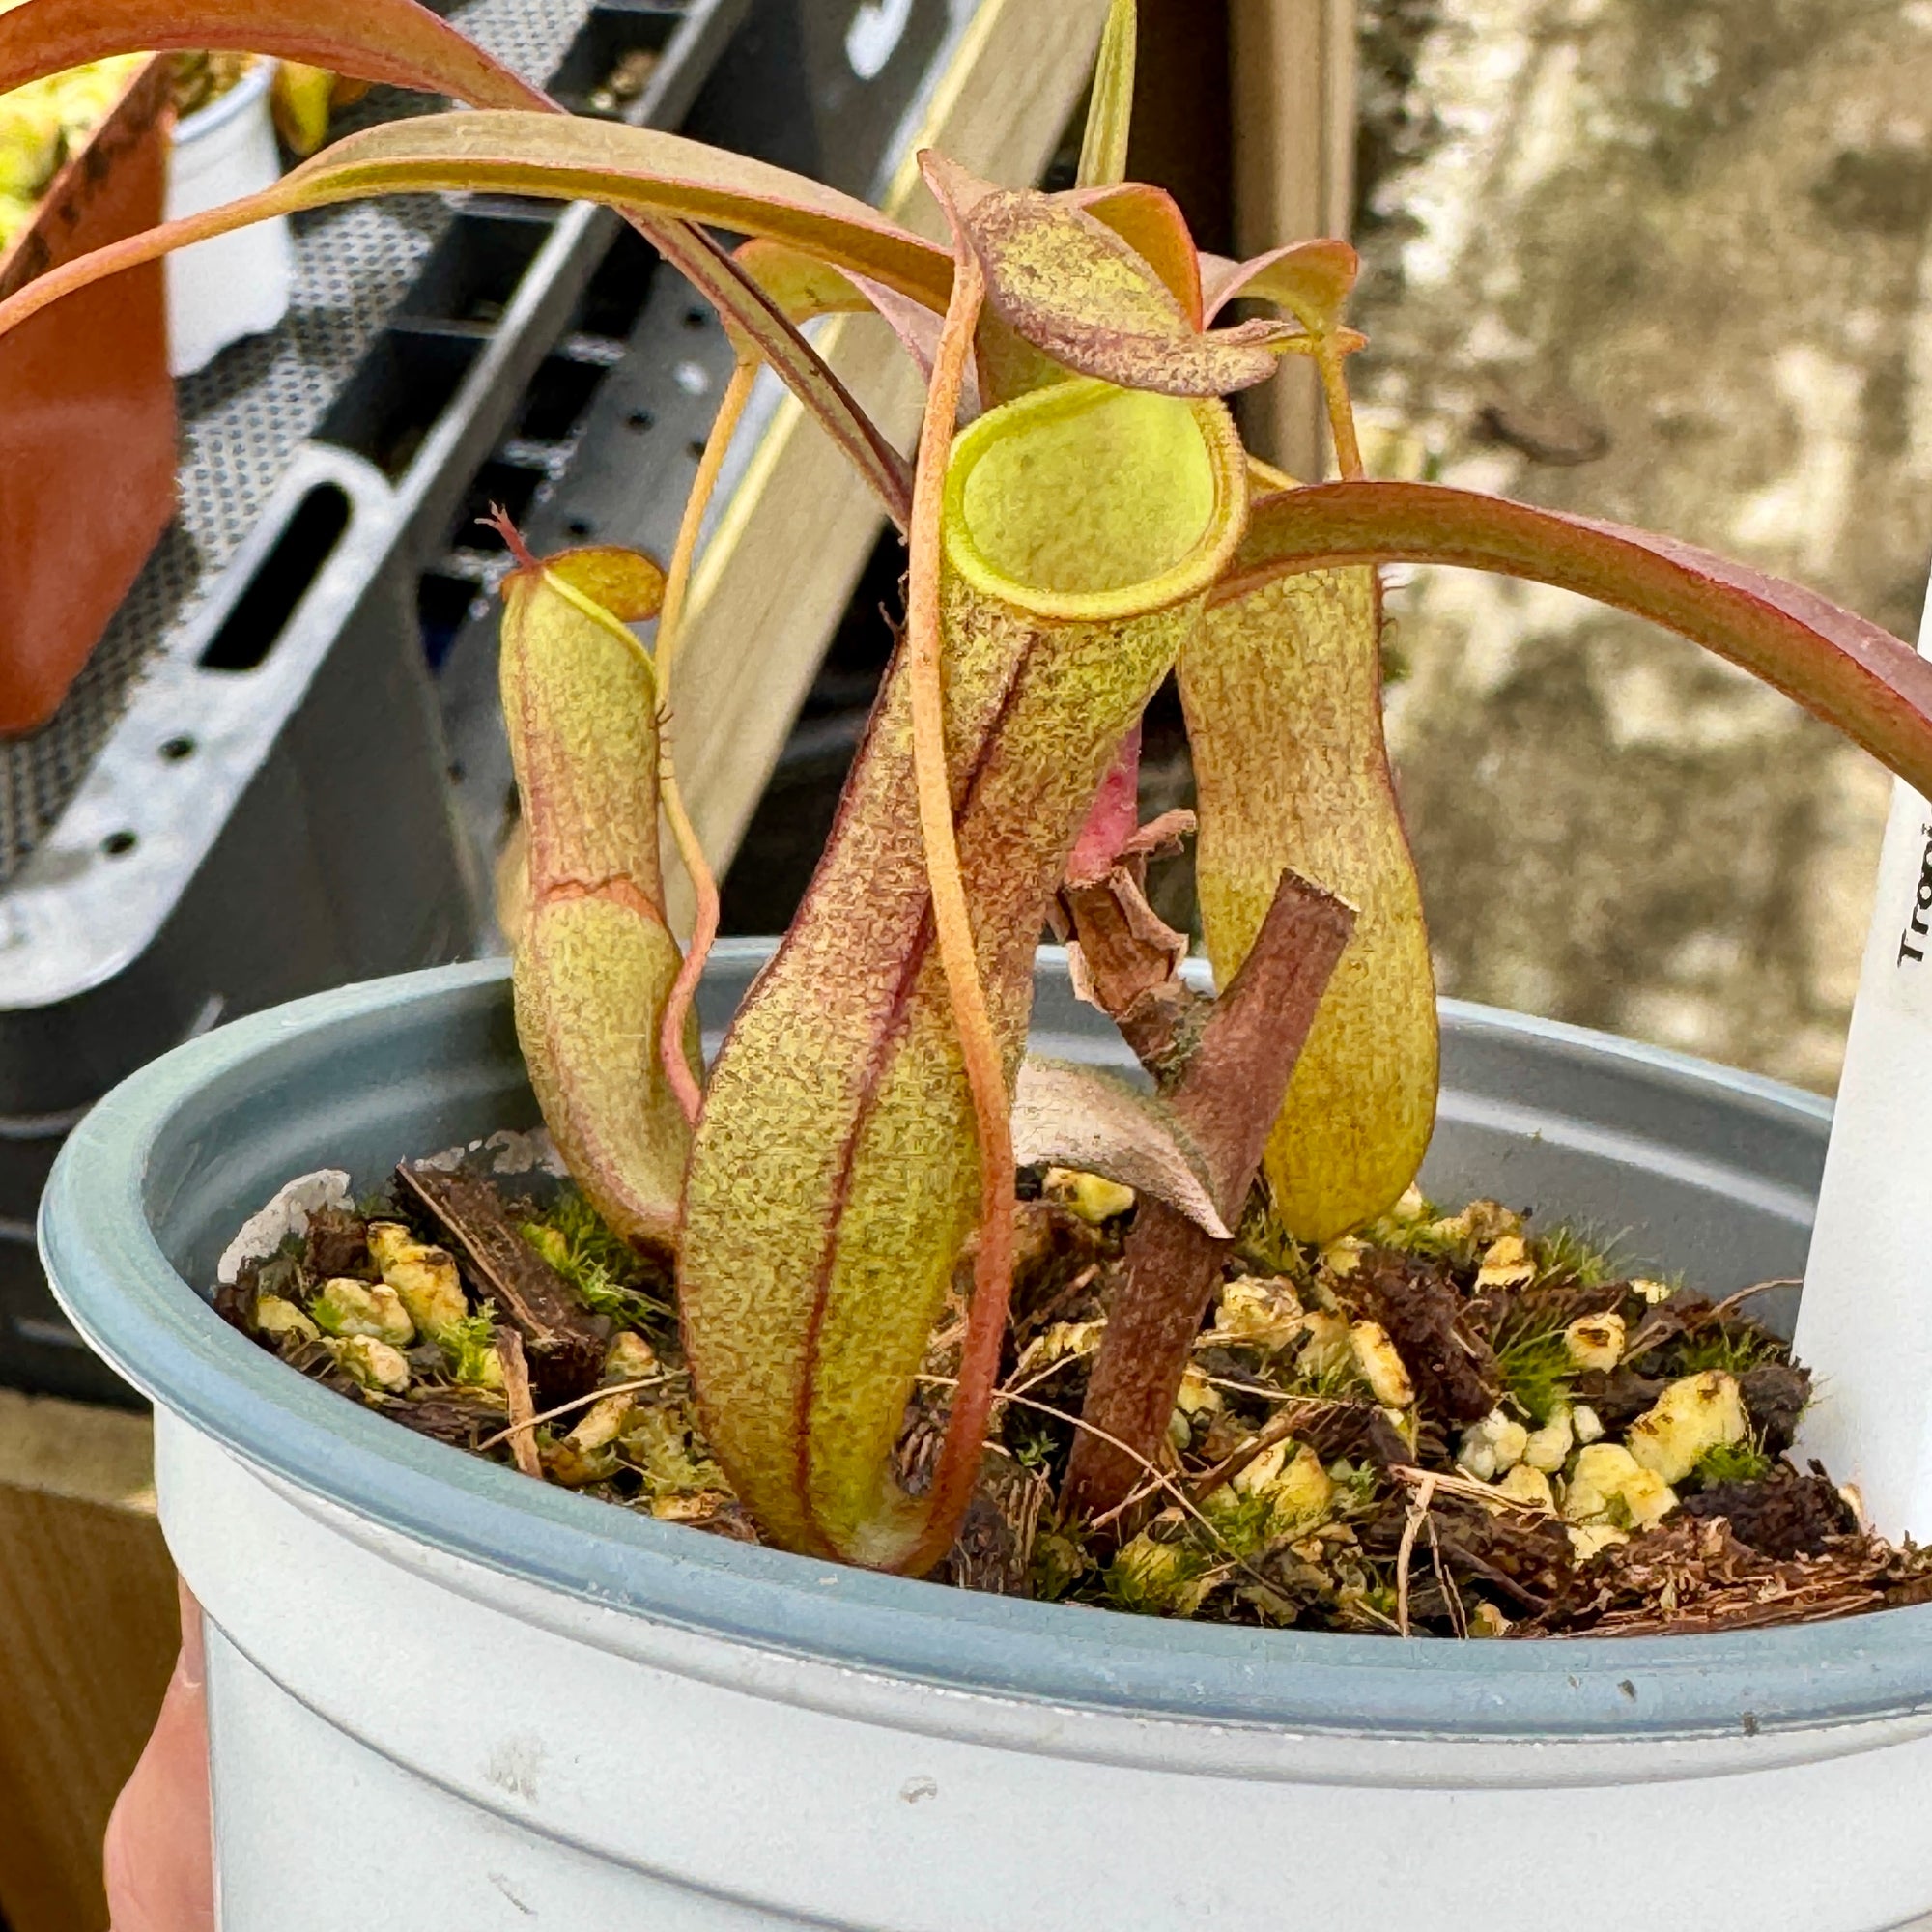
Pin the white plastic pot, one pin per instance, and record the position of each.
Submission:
(236, 285)
(450, 1700)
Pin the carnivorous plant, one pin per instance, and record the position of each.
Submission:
(1081, 520)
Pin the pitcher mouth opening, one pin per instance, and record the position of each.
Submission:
(1090, 504)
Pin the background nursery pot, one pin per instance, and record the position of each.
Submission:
(446, 1696)
(87, 413)
(236, 285)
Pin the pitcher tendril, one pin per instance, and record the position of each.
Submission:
(689, 848)
(1097, 526)
(1330, 364)
(993, 1261)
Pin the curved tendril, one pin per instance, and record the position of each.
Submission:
(703, 934)
(684, 835)
(684, 559)
(980, 1049)
(1332, 364)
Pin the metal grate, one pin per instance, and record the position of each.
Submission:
(244, 418)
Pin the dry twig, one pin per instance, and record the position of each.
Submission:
(1278, 1429)
(1465, 1485)
(596, 1396)
(1458, 1620)
(517, 1391)
(1418, 1511)
(1158, 1476)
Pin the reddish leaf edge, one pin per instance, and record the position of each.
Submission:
(962, 1445)
(403, 44)
(43, 37)
(693, 252)
(1849, 672)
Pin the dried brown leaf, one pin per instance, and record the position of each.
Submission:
(1067, 1114)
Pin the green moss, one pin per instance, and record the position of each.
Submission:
(1265, 1246)
(663, 1444)
(1059, 1561)
(1733, 1463)
(1571, 1254)
(1155, 1578)
(1537, 1371)
(469, 1347)
(1735, 1350)
(1244, 1525)
(1357, 1486)
(1428, 1242)
(1030, 1443)
(600, 1266)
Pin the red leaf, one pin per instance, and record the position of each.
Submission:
(1840, 667)
(393, 41)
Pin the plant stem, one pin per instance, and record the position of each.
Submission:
(1130, 959)
(1228, 1094)
(980, 1048)
(671, 626)
(709, 268)
(1418, 1511)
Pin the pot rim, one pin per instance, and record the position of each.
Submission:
(113, 1279)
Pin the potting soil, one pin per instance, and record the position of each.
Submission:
(1450, 1426)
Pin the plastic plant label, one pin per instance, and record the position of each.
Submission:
(1864, 1325)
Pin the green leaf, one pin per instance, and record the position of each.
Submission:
(801, 285)
(1312, 280)
(1110, 117)
(659, 173)
(402, 42)
(806, 288)
(1851, 673)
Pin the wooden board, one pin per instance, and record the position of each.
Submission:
(88, 1634)
(781, 567)
(1295, 173)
